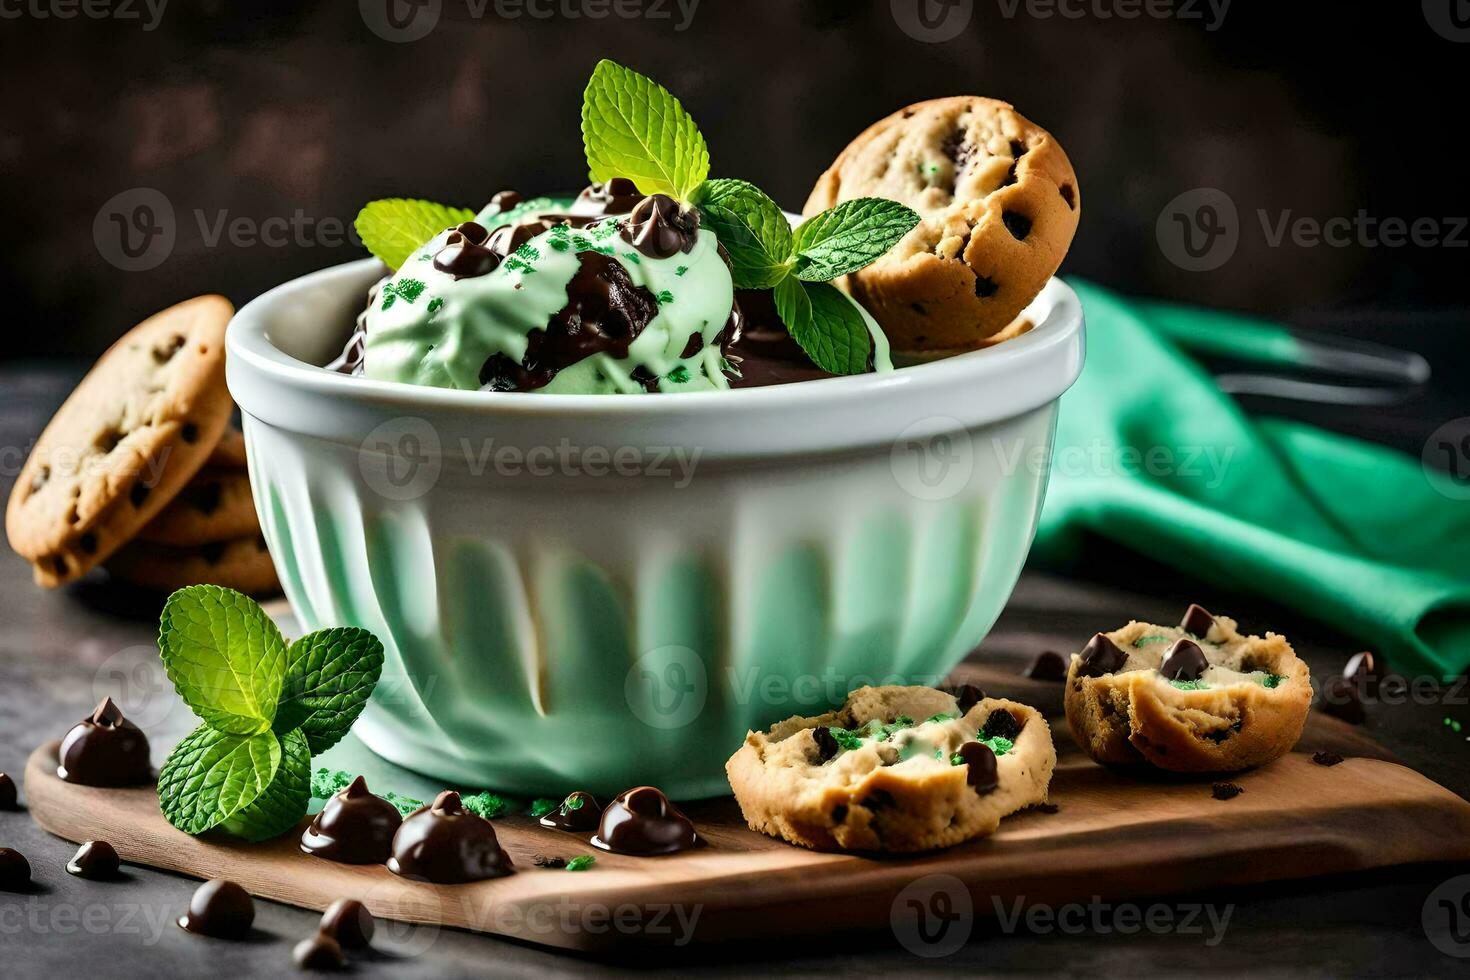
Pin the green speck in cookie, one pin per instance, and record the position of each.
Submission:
(542, 806)
(581, 862)
(1272, 680)
(998, 744)
(942, 717)
(1191, 685)
(1146, 640)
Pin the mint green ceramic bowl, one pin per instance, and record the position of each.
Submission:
(593, 592)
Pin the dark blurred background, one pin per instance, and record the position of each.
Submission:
(282, 118)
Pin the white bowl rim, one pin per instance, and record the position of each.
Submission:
(1054, 335)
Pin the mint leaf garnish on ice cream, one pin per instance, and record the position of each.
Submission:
(392, 228)
(633, 127)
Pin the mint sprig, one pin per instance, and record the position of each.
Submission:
(826, 324)
(393, 228)
(633, 127)
(266, 708)
(850, 236)
(752, 228)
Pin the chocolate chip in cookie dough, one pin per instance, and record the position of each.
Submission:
(966, 696)
(1185, 661)
(985, 287)
(1017, 224)
(1048, 666)
(981, 762)
(826, 744)
(1100, 657)
(1197, 621)
(1225, 791)
(1002, 724)
(1325, 758)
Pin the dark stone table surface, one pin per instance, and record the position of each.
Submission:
(59, 650)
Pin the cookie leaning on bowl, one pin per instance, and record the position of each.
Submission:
(998, 202)
(1197, 697)
(127, 440)
(895, 769)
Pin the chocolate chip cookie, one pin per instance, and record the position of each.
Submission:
(129, 438)
(1197, 697)
(998, 202)
(895, 769)
(243, 564)
(215, 506)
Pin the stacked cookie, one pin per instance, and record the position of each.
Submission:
(140, 471)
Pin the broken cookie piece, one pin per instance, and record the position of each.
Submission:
(895, 769)
(1197, 697)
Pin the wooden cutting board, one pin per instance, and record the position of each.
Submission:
(1115, 836)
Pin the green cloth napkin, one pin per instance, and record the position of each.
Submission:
(1151, 454)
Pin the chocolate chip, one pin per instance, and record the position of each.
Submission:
(88, 543)
(839, 813)
(980, 760)
(1017, 224)
(163, 353)
(1070, 196)
(1047, 808)
(206, 497)
(505, 200)
(349, 922)
(39, 480)
(221, 909)
(1197, 621)
(138, 494)
(1342, 699)
(1325, 758)
(1048, 666)
(826, 744)
(1002, 724)
(59, 565)
(465, 253)
(107, 441)
(919, 308)
(190, 432)
(212, 553)
(1185, 661)
(1100, 656)
(879, 799)
(966, 696)
(986, 287)
(542, 861)
(1225, 791)
(7, 793)
(96, 859)
(660, 228)
(318, 952)
(15, 870)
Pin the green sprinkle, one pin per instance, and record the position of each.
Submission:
(665, 297)
(1155, 638)
(998, 744)
(542, 806)
(581, 862)
(633, 258)
(681, 270)
(528, 252)
(487, 804)
(407, 290)
(679, 376)
(956, 760)
(436, 304)
(327, 782)
(1272, 680)
(942, 717)
(1191, 685)
(560, 244)
(1453, 725)
(405, 804)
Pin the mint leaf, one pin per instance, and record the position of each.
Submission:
(751, 227)
(225, 657)
(329, 676)
(282, 804)
(850, 236)
(394, 227)
(826, 324)
(632, 127)
(212, 775)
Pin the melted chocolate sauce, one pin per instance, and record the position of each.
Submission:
(605, 312)
(465, 255)
(105, 750)
(446, 844)
(221, 909)
(355, 827)
(578, 813)
(642, 821)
